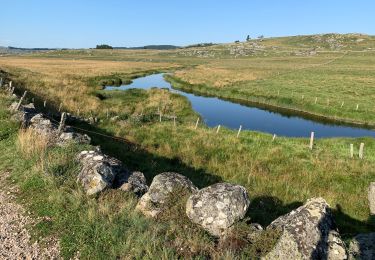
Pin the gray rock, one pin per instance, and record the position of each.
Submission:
(73, 137)
(24, 113)
(114, 119)
(43, 126)
(135, 182)
(308, 233)
(218, 207)
(98, 171)
(161, 188)
(362, 247)
(371, 197)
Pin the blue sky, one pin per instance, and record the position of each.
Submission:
(85, 23)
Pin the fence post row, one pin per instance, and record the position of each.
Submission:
(351, 150)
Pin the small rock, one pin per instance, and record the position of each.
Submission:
(69, 137)
(161, 188)
(114, 119)
(218, 207)
(362, 247)
(135, 183)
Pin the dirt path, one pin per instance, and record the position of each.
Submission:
(14, 237)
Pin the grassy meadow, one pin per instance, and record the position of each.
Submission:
(278, 175)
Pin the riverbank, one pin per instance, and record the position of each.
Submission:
(271, 103)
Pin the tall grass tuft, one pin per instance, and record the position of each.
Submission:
(31, 144)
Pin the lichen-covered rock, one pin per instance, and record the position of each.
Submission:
(362, 247)
(135, 182)
(218, 207)
(371, 197)
(161, 188)
(43, 125)
(98, 171)
(308, 233)
(73, 137)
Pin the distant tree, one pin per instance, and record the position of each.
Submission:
(248, 38)
(237, 41)
(104, 46)
(261, 37)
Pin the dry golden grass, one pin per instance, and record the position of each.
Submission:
(64, 80)
(30, 143)
(74, 67)
(215, 76)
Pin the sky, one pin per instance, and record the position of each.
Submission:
(85, 23)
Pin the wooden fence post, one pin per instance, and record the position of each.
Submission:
(60, 107)
(12, 91)
(303, 96)
(360, 154)
(1, 82)
(62, 123)
(20, 102)
(239, 131)
(10, 84)
(107, 113)
(316, 99)
(342, 104)
(160, 116)
(311, 141)
(44, 103)
(196, 124)
(174, 121)
(357, 107)
(351, 150)
(218, 128)
(273, 137)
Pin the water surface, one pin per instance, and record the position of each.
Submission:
(215, 111)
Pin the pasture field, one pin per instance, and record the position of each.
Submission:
(278, 175)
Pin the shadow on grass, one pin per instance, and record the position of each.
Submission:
(136, 158)
(265, 209)
(352, 226)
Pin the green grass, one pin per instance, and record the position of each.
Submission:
(105, 226)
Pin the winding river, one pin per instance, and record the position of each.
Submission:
(216, 111)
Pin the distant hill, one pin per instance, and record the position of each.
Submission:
(151, 47)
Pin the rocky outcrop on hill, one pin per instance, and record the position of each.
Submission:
(163, 186)
(308, 233)
(362, 247)
(218, 207)
(371, 197)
